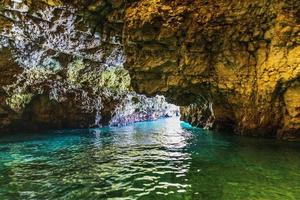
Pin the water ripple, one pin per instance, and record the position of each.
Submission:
(153, 160)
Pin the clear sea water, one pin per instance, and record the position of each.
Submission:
(164, 159)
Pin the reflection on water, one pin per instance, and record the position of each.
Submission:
(151, 160)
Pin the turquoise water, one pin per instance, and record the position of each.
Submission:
(164, 159)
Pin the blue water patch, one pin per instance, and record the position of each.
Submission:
(186, 125)
(163, 159)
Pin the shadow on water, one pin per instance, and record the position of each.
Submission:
(164, 159)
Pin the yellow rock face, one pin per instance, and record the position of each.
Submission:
(242, 56)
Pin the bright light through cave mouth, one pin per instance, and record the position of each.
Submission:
(73, 126)
(53, 80)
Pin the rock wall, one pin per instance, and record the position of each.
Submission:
(242, 58)
(9, 70)
(70, 67)
(228, 64)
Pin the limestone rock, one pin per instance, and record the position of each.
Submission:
(62, 70)
(227, 63)
(243, 57)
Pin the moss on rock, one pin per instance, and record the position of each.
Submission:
(18, 102)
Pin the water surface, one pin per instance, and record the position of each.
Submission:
(164, 159)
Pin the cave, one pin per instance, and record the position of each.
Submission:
(148, 99)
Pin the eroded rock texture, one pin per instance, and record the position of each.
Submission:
(240, 58)
(226, 63)
(63, 67)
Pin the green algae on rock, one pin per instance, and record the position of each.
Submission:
(70, 76)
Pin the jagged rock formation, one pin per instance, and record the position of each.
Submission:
(69, 75)
(226, 63)
(242, 58)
